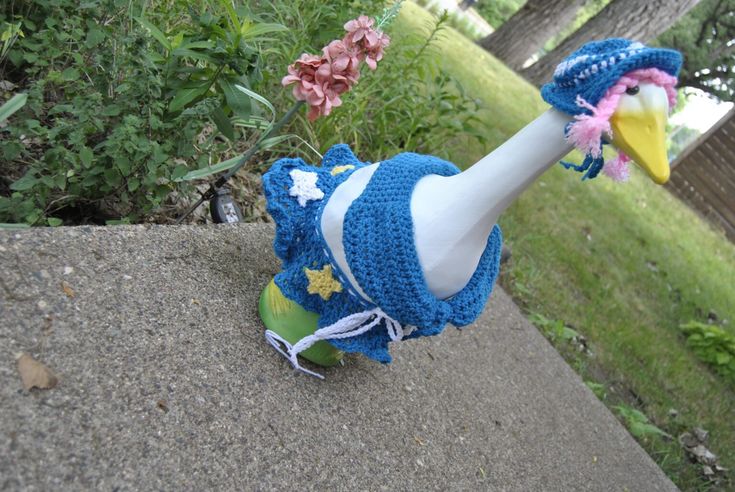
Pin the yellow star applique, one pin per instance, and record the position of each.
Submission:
(322, 282)
(340, 169)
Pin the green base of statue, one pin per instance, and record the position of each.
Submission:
(292, 323)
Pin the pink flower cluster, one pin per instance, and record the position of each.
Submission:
(369, 42)
(320, 80)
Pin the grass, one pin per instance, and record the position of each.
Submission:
(625, 265)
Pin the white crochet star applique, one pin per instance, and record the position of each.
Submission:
(304, 186)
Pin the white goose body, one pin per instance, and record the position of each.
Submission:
(453, 216)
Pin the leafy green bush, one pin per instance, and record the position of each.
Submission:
(116, 108)
(713, 345)
(211, 56)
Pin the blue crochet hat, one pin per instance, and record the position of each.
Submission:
(582, 79)
(591, 70)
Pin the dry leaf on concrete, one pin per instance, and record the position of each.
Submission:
(34, 374)
(67, 290)
(162, 405)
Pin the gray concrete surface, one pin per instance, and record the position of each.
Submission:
(166, 383)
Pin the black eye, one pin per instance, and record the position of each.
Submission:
(632, 90)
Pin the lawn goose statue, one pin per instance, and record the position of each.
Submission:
(374, 253)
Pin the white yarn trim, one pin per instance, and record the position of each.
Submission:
(349, 326)
(304, 186)
(565, 66)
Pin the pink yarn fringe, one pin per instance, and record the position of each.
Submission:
(617, 169)
(586, 133)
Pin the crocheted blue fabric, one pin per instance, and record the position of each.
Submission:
(379, 246)
(591, 166)
(595, 67)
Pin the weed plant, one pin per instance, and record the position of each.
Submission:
(714, 346)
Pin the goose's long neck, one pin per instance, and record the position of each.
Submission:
(503, 174)
(453, 216)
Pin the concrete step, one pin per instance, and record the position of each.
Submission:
(167, 383)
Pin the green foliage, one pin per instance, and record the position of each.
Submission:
(208, 57)
(93, 104)
(124, 99)
(495, 12)
(117, 107)
(638, 424)
(705, 37)
(713, 345)
(598, 389)
(10, 32)
(388, 15)
(555, 330)
(10, 107)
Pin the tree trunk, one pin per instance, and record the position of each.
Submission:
(529, 29)
(640, 20)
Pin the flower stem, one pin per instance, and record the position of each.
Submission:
(222, 180)
(438, 26)
(388, 15)
(252, 150)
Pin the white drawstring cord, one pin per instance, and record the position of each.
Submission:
(349, 326)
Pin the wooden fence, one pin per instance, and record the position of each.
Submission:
(703, 176)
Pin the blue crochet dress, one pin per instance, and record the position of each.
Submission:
(379, 247)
